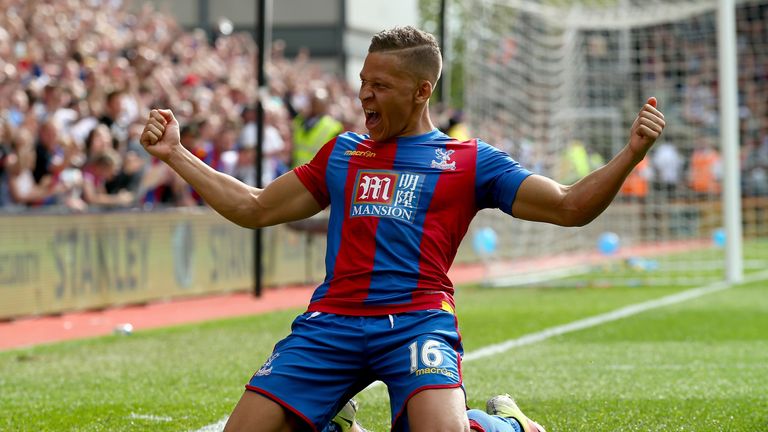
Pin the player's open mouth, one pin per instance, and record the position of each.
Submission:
(372, 118)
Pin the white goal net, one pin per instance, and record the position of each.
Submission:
(557, 84)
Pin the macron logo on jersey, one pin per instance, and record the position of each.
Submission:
(387, 194)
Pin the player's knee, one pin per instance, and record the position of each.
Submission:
(438, 410)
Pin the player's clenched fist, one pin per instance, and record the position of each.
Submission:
(647, 126)
(161, 133)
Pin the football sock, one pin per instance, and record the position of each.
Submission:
(492, 423)
(332, 427)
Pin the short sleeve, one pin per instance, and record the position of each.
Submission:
(498, 178)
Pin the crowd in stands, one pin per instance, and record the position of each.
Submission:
(78, 77)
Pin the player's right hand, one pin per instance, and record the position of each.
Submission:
(160, 134)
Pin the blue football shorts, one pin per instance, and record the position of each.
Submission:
(329, 358)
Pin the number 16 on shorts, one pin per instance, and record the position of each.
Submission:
(428, 356)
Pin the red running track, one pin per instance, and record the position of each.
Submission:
(47, 329)
(26, 332)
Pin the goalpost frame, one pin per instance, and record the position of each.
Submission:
(729, 139)
(577, 17)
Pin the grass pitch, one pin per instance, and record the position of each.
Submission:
(700, 365)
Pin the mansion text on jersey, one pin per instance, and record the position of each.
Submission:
(382, 210)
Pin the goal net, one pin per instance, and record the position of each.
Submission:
(557, 85)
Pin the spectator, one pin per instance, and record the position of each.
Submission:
(635, 192)
(700, 102)
(160, 186)
(576, 162)
(705, 169)
(208, 129)
(635, 187)
(128, 178)
(53, 154)
(274, 148)
(98, 141)
(115, 118)
(223, 157)
(98, 171)
(754, 167)
(18, 108)
(668, 164)
(456, 128)
(313, 127)
(24, 189)
(51, 102)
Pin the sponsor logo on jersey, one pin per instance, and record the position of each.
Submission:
(444, 157)
(387, 194)
(360, 153)
(435, 370)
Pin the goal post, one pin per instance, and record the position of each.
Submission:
(557, 85)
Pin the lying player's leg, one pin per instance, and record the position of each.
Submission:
(345, 420)
(502, 415)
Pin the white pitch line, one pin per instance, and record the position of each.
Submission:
(593, 321)
(582, 324)
(150, 417)
(214, 427)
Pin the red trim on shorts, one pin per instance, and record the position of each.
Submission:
(281, 403)
(475, 426)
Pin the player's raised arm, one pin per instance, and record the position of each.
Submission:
(283, 200)
(545, 200)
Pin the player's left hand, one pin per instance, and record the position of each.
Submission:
(647, 127)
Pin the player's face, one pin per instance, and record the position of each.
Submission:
(388, 95)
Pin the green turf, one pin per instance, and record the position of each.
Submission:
(700, 365)
(690, 268)
(696, 366)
